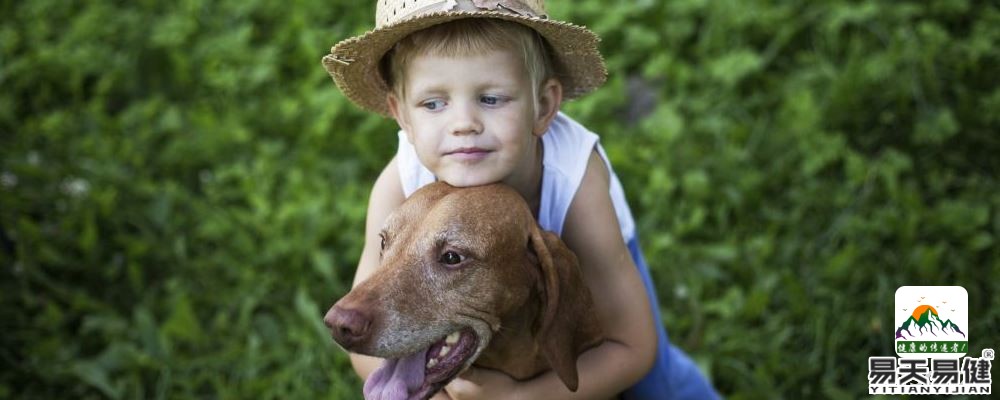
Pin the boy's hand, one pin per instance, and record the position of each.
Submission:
(441, 396)
(481, 383)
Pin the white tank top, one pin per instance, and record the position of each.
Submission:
(566, 148)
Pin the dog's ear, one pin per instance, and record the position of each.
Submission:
(563, 294)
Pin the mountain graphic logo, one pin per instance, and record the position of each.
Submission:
(926, 320)
(931, 322)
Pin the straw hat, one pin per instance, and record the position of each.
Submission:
(354, 63)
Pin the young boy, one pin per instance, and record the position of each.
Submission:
(475, 87)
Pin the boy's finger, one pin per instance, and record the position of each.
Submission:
(459, 388)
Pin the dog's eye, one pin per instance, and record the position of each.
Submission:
(451, 258)
(381, 249)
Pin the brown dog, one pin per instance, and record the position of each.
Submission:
(466, 277)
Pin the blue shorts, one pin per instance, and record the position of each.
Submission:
(674, 375)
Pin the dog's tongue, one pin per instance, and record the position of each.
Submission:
(396, 378)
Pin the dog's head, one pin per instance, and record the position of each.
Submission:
(453, 263)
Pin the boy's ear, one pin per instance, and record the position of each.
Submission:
(549, 100)
(394, 108)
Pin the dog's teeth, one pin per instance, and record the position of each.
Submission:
(444, 351)
(452, 338)
(432, 363)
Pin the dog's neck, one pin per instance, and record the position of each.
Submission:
(514, 349)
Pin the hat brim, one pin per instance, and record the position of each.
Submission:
(354, 62)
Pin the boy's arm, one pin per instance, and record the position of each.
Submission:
(591, 230)
(386, 196)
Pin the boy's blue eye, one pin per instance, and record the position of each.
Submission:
(432, 105)
(491, 100)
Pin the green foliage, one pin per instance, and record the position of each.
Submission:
(183, 189)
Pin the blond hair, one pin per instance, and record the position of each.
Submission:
(466, 37)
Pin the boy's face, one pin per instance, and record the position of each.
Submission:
(473, 119)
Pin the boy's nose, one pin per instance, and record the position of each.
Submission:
(465, 120)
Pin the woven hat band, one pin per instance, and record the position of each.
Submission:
(388, 12)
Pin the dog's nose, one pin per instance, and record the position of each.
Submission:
(350, 327)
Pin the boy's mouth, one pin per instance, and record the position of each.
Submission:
(468, 153)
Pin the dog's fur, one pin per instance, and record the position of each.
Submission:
(518, 288)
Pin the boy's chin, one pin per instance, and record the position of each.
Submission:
(467, 180)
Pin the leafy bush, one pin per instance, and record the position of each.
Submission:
(183, 190)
